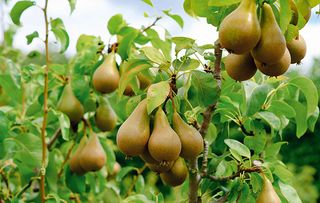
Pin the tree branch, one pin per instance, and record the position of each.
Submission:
(240, 172)
(54, 138)
(45, 106)
(194, 176)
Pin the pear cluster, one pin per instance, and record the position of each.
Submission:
(89, 156)
(257, 45)
(163, 148)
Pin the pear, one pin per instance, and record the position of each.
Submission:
(106, 77)
(240, 31)
(70, 105)
(240, 67)
(133, 135)
(276, 69)
(155, 165)
(105, 118)
(164, 144)
(92, 156)
(298, 49)
(75, 160)
(144, 81)
(160, 167)
(268, 194)
(191, 139)
(272, 44)
(177, 174)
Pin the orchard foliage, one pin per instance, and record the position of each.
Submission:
(242, 124)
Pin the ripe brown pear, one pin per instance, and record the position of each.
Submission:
(92, 156)
(75, 160)
(177, 174)
(70, 105)
(106, 77)
(191, 139)
(133, 135)
(268, 194)
(164, 144)
(143, 81)
(240, 31)
(277, 69)
(298, 49)
(105, 118)
(240, 67)
(155, 165)
(272, 44)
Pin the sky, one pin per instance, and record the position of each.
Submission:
(91, 17)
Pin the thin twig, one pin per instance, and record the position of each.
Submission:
(66, 160)
(54, 138)
(45, 106)
(5, 180)
(153, 24)
(139, 172)
(233, 176)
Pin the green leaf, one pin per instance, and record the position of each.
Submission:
(223, 169)
(75, 182)
(256, 142)
(307, 87)
(182, 43)
(31, 36)
(281, 108)
(219, 3)
(211, 134)
(10, 87)
(154, 55)
(64, 124)
(285, 15)
(18, 9)
(205, 88)
(274, 149)
(157, 94)
(257, 99)
(72, 4)
(237, 146)
(149, 2)
(4, 126)
(289, 193)
(312, 121)
(124, 171)
(269, 118)
(138, 198)
(300, 118)
(131, 68)
(164, 45)
(115, 24)
(124, 48)
(139, 186)
(27, 147)
(175, 17)
(111, 158)
(57, 27)
(186, 64)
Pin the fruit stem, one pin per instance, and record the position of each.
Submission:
(45, 106)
